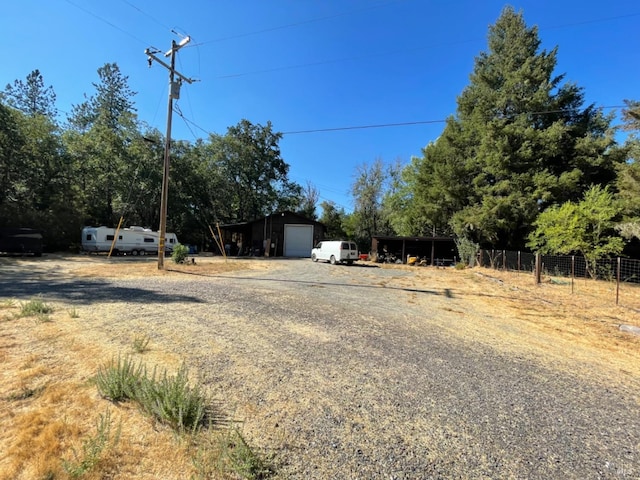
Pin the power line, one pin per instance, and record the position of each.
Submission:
(400, 124)
(147, 15)
(408, 50)
(104, 20)
(363, 127)
(178, 111)
(296, 24)
(589, 22)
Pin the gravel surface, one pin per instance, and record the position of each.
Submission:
(355, 372)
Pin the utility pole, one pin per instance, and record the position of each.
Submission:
(174, 92)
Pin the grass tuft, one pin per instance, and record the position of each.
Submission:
(243, 459)
(93, 448)
(7, 303)
(229, 452)
(24, 393)
(35, 308)
(141, 343)
(73, 313)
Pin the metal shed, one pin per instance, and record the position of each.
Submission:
(282, 234)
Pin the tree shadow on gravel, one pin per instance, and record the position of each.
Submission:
(446, 292)
(84, 292)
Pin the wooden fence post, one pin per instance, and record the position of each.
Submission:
(538, 269)
(618, 282)
(573, 270)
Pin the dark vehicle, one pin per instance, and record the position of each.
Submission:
(20, 241)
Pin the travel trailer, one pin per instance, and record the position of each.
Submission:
(131, 241)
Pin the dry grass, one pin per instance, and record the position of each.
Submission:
(111, 268)
(508, 311)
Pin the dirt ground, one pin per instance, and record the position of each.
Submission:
(245, 345)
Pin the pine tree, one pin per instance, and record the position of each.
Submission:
(520, 141)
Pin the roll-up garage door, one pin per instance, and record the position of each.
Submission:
(298, 240)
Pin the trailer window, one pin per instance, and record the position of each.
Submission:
(89, 236)
(110, 237)
(148, 240)
(170, 240)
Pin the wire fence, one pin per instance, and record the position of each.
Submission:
(618, 278)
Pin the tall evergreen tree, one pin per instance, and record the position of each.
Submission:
(102, 128)
(31, 96)
(520, 141)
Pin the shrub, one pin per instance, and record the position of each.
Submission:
(180, 253)
(171, 400)
(468, 250)
(119, 380)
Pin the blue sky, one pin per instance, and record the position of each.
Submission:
(309, 65)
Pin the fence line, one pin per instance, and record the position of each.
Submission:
(623, 273)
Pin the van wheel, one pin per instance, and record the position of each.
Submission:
(332, 260)
(134, 253)
(313, 257)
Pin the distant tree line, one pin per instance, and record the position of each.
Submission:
(523, 163)
(103, 164)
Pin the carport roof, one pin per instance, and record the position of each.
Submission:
(415, 239)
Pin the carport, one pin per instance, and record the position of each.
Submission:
(431, 250)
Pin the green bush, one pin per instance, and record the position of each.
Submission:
(171, 400)
(180, 253)
(119, 379)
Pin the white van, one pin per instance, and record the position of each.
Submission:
(335, 251)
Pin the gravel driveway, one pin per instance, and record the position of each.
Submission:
(355, 372)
